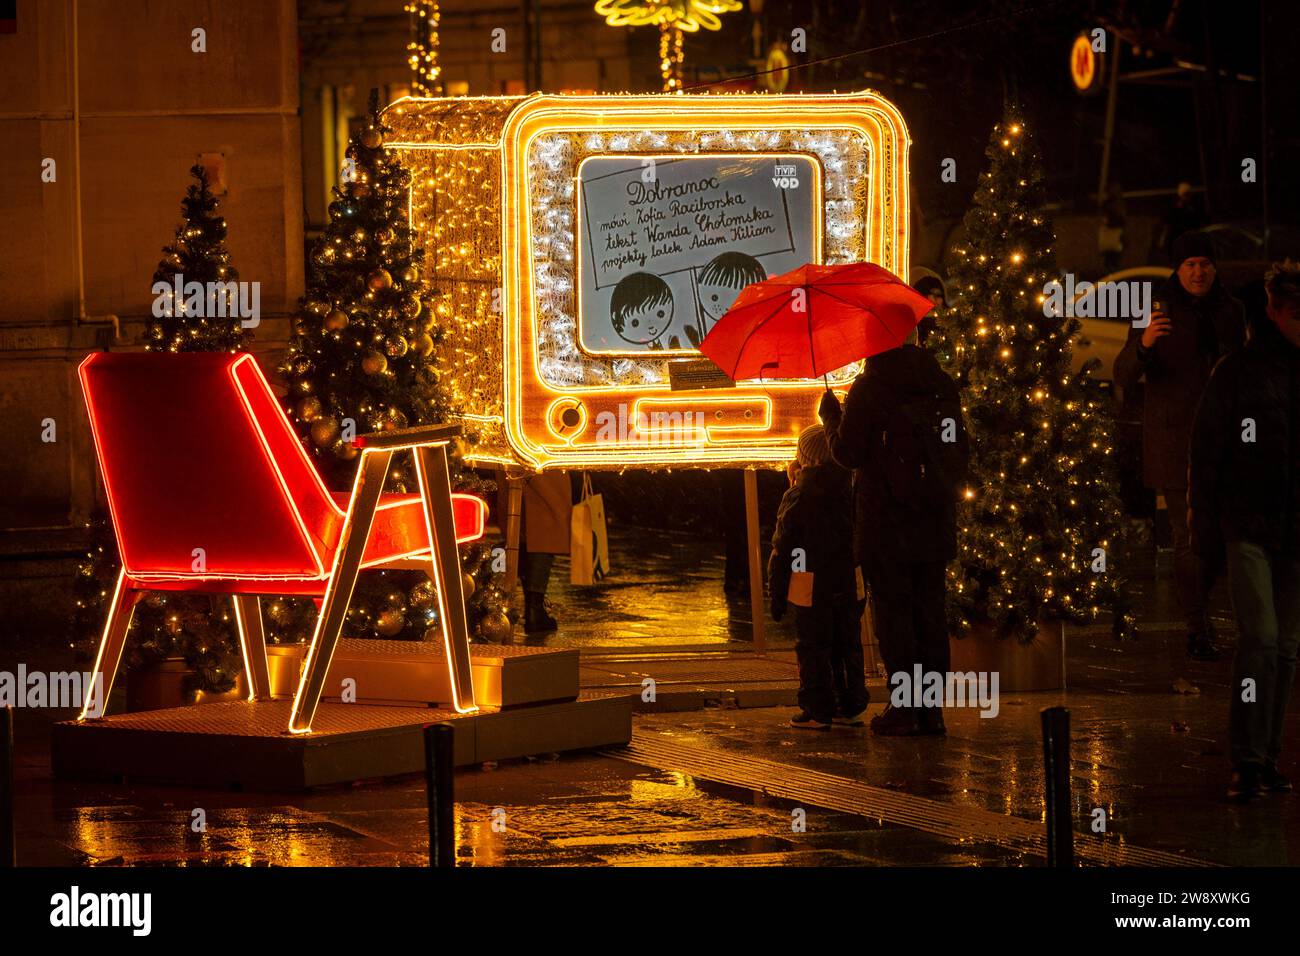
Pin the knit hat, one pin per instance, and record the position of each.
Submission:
(1191, 245)
(813, 448)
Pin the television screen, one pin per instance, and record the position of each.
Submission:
(666, 243)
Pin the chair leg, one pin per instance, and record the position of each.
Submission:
(252, 644)
(347, 564)
(120, 611)
(433, 474)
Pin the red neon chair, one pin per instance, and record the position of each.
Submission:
(210, 490)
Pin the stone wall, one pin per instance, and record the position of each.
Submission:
(117, 98)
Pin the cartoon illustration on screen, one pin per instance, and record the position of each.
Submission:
(641, 309)
(717, 286)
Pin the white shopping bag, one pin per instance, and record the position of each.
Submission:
(588, 542)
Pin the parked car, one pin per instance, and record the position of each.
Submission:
(1104, 338)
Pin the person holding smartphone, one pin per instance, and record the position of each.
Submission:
(1196, 324)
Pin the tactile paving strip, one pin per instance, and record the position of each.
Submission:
(848, 796)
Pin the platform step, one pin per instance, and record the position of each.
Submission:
(244, 744)
(416, 672)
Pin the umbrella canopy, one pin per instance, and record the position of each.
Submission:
(812, 320)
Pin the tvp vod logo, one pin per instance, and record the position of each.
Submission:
(784, 177)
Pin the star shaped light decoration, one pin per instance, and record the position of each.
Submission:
(673, 17)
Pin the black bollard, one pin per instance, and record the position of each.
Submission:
(439, 780)
(1056, 776)
(8, 846)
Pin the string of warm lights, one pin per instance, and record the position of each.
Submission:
(493, 198)
(671, 57)
(197, 257)
(422, 50)
(674, 18)
(1040, 522)
(553, 162)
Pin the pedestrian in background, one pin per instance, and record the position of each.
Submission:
(1245, 491)
(1110, 234)
(930, 286)
(1197, 323)
(547, 511)
(814, 533)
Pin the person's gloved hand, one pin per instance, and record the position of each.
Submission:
(829, 409)
(778, 608)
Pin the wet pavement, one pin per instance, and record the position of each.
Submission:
(675, 577)
(1148, 749)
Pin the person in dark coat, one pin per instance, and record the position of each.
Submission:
(547, 510)
(930, 286)
(1245, 492)
(814, 533)
(1197, 324)
(904, 549)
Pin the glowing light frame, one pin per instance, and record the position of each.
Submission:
(666, 125)
(335, 587)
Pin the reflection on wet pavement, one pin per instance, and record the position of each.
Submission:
(1148, 749)
(658, 576)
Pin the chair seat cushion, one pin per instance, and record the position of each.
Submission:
(400, 529)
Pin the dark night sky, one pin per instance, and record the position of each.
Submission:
(951, 87)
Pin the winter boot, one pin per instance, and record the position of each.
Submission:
(536, 620)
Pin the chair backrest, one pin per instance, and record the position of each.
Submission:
(196, 453)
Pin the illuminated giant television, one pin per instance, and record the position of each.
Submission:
(579, 247)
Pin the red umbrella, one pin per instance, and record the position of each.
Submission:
(813, 320)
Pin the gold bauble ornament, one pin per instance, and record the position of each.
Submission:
(379, 280)
(371, 138)
(495, 627)
(337, 319)
(424, 345)
(467, 584)
(324, 431)
(374, 362)
(423, 596)
(278, 612)
(411, 308)
(344, 451)
(308, 409)
(411, 274)
(390, 622)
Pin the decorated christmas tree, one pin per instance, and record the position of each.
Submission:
(1041, 520)
(361, 360)
(196, 627)
(206, 320)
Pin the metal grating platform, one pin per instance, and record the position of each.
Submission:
(244, 744)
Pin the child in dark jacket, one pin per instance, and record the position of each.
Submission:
(814, 533)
